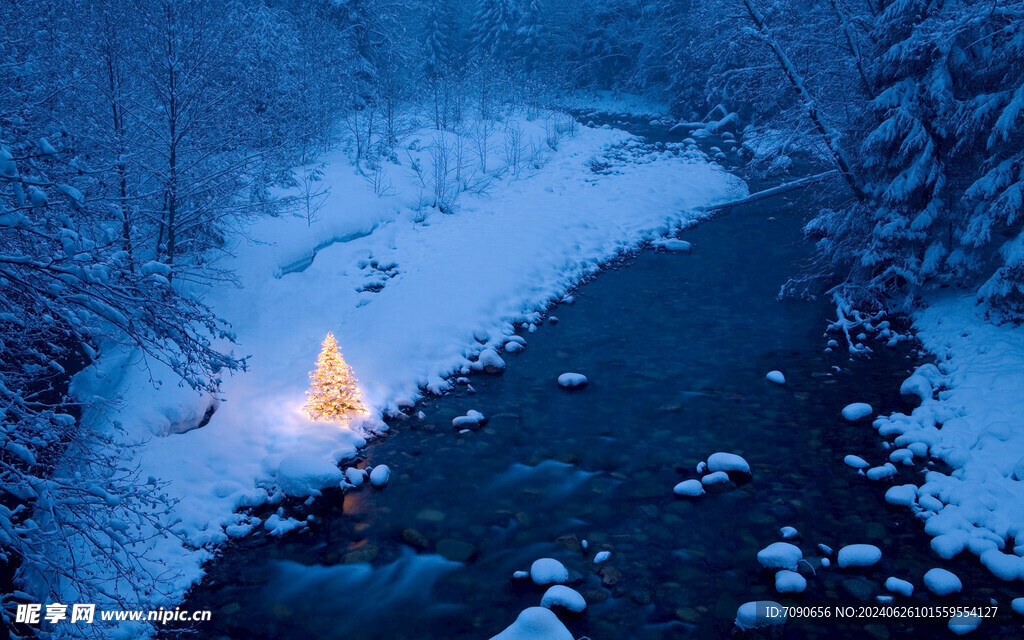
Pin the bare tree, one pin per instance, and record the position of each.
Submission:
(829, 135)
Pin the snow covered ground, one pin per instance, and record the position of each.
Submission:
(971, 419)
(413, 296)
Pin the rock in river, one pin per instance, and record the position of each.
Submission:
(548, 571)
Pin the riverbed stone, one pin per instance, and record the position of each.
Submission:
(877, 631)
(230, 609)
(430, 515)
(364, 554)
(859, 588)
(609, 575)
(456, 550)
(687, 614)
(415, 539)
(571, 542)
(504, 420)
(594, 596)
(647, 489)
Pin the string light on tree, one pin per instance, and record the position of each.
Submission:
(334, 392)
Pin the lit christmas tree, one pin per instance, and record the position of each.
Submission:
(333, 389)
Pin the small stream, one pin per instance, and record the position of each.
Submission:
(676, 347)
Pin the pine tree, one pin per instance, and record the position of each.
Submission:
(334, 391)
(530, 36)
(942, 161)
(494, 29)
(436, 53)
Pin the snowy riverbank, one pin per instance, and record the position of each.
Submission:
(413, 296)
(970, 419)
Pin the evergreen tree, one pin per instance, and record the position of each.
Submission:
(440, 55)
(942, 162)
(436, 48)
(494, 27)
(334, 392)
(530, 37)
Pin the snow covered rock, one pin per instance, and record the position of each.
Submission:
(278, 526)
(901, 587)
(887, 470)
(1017, 604)
(572, 380)
(780, 555)
(728, 462)
(472, 419)
(942, 582)
(856, 462)
(904, 494)
(917, 385)
(689, 488)
(788, 532)
(535, 623)
(949, 544)
(790, 582)
(858, 555)
(776, 376)
(601, 556)
(903, 456)
(1005, 566)
(355, 477)
(964, 623)
(718, 477)
(380, 475)
(760, 614)
(856, 411)
(672, 244)
(307, 475)
(564, 597)
(548, 571)
(919, 449)
(489, 362)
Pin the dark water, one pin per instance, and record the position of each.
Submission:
(676, 348)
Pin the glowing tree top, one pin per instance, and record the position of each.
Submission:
(333, 392)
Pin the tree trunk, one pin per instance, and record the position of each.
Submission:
(117, 120)
(172, 158)
(828, 135)
(854, 49)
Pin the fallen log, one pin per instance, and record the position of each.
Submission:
(774, 191)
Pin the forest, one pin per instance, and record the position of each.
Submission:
(139, 138)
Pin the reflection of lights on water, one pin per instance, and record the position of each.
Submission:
(357, 503)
